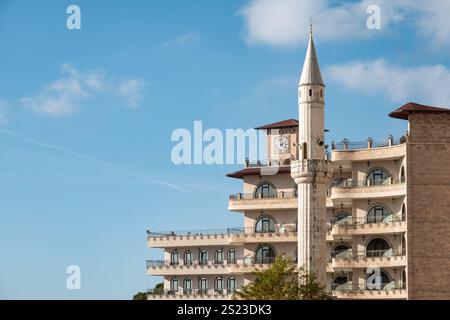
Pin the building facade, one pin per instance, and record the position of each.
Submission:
(370, 219)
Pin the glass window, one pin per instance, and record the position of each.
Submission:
(174, 257)
(188, 257)
(378, 248)
(339, 282)
(264, 225)
(377, 176)
(265, 191)
(202, 285)
(218, 285)
(231, 256)
(174, 284)
(265, 255)
(380, 281)
(341, 218)
(187, 286)
(203, 257)
(340, 251)
(231, 285)
(218, 256)
(378, 214)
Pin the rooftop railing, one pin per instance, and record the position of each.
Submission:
(238, 231)
(368, 144)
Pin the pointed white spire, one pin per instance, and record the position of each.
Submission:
(311, 70)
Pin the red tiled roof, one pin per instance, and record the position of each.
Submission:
(256, 171)
(280, 124)
(411, 107)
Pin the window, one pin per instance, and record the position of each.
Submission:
(218, 285)
(203, 257)
(381, 281)
(265, 190)
(402, 175)
(296, 191)
(339, 283)
(265, 225)
(341, 251)
(310, 92)
(231, 285)
(287, 162)
(378, 214)
(218, 256)
(188, 258)
(377, 177)
(341, 218)
(231, 256)
(321, 93)
(265, 255)
(403, 212)
(174, 284)
(378, 248)
(187, 286)
(202, 285)
(174, 257)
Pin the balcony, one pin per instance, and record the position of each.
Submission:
(368, 150)
(391, 224)
(348, 259)
(249, 201)
(193, 294)
(386, 291)
(220, 237)
(363, 189)
(209, 267)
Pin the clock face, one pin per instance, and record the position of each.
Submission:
(282, 144)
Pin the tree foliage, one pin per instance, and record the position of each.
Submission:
(282, 282)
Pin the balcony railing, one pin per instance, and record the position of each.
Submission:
(245, 261)
(348, 287)
(192, 292)
(350, 255)
(368, 144)
(351, 222)
(251, 196)
(350, 183)
(231, 232)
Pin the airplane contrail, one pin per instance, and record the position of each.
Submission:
(89, 158)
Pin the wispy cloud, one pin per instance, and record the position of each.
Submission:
(85, 157)
(285, 22)
(184, 39)
(65, 95)
(131, 92)
(393, 82)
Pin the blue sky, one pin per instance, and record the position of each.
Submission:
(86, 116)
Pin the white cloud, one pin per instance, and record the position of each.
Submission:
(426, 84)
(64, 96)
(4, 111)
(131, 92)
(184, 39)
(285, 22)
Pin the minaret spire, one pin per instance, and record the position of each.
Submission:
(311, 70)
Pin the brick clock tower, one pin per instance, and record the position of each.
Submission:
(312, 171)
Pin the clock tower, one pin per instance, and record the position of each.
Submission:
(311, 171)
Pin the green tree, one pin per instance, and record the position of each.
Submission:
(282, 282)
(140, 296)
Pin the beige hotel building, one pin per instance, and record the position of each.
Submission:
(345, 211)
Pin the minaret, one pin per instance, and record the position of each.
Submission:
(312, 171)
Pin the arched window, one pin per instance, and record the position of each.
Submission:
(378, 214)
(231, 256)
(188, 257)
(266, 190)
(202, 285)
(338, 182)
(265, 225)
(203, 257)
(287, 162)
(174, 284)
(402, 175)
(231, 285)
(341, 251)
(379, 281)
(378, 248)
(174, 257)
(265, 254)
(218, 285)
(187, 286)
(339, 283)
(341, 218)
(377, 176)
(218, 256)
